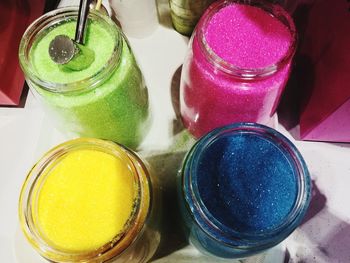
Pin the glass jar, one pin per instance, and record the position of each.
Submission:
(108, 100)
(243, 189)
(186, 13)
(139, 238)
(214, 91)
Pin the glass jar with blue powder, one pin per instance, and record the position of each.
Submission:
(244, 188)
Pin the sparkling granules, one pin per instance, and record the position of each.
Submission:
(107, 100)
(247, 183)
(247, 36)
(240, 36)
(85, 201)
(244, 188)
(90, 200)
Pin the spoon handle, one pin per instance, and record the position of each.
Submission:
(82, 19)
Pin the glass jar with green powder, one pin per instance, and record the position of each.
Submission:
(106, 100)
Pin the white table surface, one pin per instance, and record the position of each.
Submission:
(26, 133)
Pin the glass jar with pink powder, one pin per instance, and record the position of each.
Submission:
(238, 63)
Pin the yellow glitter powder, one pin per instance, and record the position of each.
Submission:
(85, 200)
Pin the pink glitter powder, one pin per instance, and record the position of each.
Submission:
(242, 36)
(250, 38)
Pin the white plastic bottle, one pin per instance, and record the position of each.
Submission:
(138, 18)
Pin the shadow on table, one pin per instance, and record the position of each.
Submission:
(166, 167)
(175, 100)
(344, 145)
(317, 203)
(322, 236)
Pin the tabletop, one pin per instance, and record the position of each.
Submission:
(26, 133)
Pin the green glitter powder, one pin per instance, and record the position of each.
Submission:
(116, 109)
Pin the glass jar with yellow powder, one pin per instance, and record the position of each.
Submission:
(89, 200)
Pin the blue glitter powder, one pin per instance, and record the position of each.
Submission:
(243, 189)
(246, 182)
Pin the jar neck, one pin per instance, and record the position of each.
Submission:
(218, 231)
(28, 210)
(42, 25)
(246, 73)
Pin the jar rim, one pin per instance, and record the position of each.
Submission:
(274, 10)
(122, 240)
(49, 20)
(218, 231)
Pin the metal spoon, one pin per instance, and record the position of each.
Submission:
(81, 23)
(72, 53)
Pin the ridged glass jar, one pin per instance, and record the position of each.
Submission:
(107, 102)
(215, 92)
(140, 237)
(208, 206)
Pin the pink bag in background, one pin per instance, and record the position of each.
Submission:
(15, 16)
(325, 115)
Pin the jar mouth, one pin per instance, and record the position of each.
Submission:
(247, 73)
(28, 203)
(51, 19)
(224, 234)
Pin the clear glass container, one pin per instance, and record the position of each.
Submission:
(215, 92)
(108, 100)
(186, 13)
(140, 237)
(205, 229)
